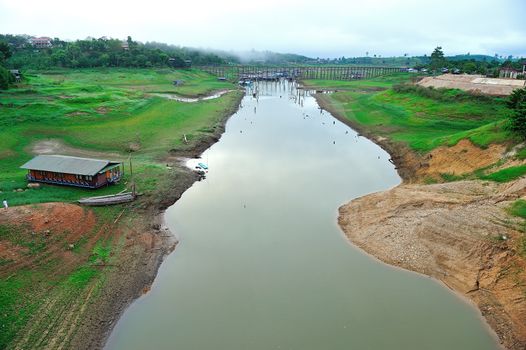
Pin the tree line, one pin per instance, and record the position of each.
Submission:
(476, 64)
(101, 52)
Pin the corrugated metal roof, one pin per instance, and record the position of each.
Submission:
(67, 164)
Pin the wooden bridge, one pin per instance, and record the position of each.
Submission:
(298, 72)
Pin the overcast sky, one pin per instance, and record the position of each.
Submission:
(321, 28)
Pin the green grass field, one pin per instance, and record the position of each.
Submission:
(104, 110)
(373, 84)
(421, 122)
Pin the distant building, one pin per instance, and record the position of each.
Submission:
(16, 74)
(508, 72)
(125, 46)
(41, 43)
(178, 62)
(73, 171)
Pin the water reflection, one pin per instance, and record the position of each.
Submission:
(262, 263)
(179, 98)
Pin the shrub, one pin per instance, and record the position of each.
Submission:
(441, 94)
(518, 208)
(5, 78)
(517, 102)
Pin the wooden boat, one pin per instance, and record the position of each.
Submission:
(108, 200)
(203, 166)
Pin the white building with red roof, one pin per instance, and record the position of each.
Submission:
(41, 43)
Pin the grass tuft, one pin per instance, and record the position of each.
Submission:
(518, 208)
(507, 174)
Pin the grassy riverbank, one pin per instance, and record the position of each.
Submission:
(65, 271)
(422, 122)
(413, 122)
(106, 112)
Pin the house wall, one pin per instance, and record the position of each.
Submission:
(68, 179)
(100, 180)
(508, 74)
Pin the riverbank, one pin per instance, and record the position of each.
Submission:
(459, 232)
(64, 285)
(148, 242)
(144, 243)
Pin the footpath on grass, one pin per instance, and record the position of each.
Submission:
(459, 214)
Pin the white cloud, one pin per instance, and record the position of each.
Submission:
(317, 28)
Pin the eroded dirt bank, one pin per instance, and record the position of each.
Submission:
(459, 232)
(147, 242)
(456, 232)
(81, 318)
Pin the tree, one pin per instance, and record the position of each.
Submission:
(517, 96)
(5, 78)
(5, 51)
(518, 120)
(517, 102)
(437, 58)
(5, 75)
(91, 52)
(469, 67)
(437, 53)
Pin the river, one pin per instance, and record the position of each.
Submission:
(262, 263)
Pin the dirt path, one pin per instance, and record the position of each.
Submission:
(53, 146)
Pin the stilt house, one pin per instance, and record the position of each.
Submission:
(73, 171)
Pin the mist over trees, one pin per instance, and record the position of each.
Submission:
(17, 52)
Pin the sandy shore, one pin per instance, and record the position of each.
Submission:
(453, 232)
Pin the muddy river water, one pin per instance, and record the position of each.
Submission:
(262, 263)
